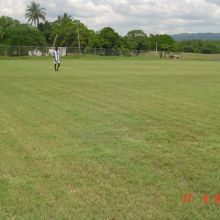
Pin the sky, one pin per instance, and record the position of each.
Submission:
(152, 16)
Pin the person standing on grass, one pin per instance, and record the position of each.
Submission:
(56, 56)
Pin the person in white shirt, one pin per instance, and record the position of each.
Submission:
(56, 56)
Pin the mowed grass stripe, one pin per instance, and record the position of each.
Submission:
(111, 104)
(138, 100)
(112, 139)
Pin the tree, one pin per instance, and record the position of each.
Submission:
(62, 31)
(24, 35)
(162, 42)
(137, 40)
(66, 30)
(46, 29)
(5, 23)
(84, 33)
(109, 38)
(34, 13)
(163, 39)
(93, 40)
(65, 17)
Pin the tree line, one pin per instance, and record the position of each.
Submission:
(66, 31)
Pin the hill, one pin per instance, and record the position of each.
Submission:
(196, 36)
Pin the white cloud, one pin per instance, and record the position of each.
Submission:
(153, 16)
(12, 8)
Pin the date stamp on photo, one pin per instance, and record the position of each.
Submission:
(206, 199)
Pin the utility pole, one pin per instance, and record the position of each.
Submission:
(77, 24)
(156, 48)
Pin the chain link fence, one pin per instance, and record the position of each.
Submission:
(69, 51)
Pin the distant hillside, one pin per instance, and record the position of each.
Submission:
(196, 36)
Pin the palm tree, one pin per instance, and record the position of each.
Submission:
(34, 13)
(65, 17)
(60, 21)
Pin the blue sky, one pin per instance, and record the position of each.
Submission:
(153, 16)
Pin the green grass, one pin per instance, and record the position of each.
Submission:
(109, 139)
(198, 56)
(148, 56)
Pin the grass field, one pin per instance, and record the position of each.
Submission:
(109, 139)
